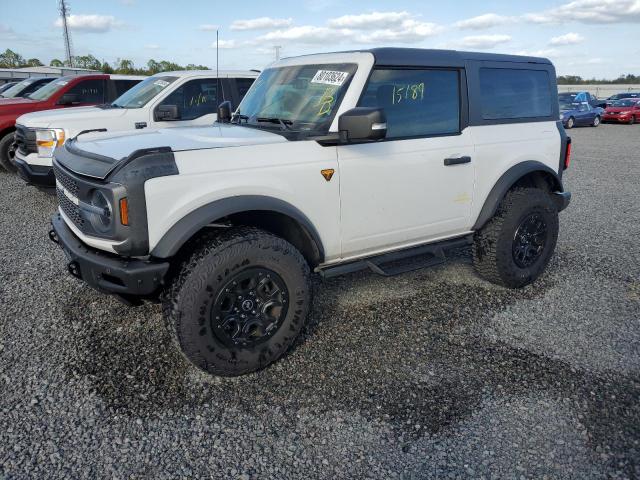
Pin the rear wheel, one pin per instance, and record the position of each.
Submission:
(238, 301)
(7, 152)
(596, 121)
(515, 246)
(571, 122)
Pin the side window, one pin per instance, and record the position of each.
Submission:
(122, 86)
(243, 84)
(89, 91)
(510, 94)
(194, 99)
(416, 102)
(33, 87)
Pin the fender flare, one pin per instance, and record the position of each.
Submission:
(191, 223)
(504, 184)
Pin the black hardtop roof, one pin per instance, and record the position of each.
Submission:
(420, 56)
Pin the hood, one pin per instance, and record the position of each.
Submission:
(618, 109)
(100, 155)
(67, 117)
(17, 101)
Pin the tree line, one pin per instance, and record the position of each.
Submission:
(576, 80)
(11, 59)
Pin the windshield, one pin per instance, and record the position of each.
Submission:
(143, 92)
(568, 105)
(49, 89)
(624, 103)
(17, 88)
(300, 97)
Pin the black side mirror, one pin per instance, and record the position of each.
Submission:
(166, 113)
(69, 99)
(362, 124)
(224, 112)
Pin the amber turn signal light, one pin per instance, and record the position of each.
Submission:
(124, 211)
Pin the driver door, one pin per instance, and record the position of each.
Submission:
(197, 102)
(404, 190)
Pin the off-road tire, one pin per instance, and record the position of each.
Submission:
(596, 121)
(571, 122)
(5, 147)
(493, 255)
(215, 259)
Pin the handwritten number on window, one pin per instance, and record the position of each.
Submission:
(411, 92)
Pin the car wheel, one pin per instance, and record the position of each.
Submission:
(571, 122)
(515, 246)
(6, 152)
(596, 121)
(238, 301)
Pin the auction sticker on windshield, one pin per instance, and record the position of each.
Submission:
(161, 83)
(330, 77)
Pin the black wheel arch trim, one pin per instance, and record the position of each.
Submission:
(508, 180)
(193, 222)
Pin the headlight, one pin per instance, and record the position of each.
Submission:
(102, 214)
(48, 140)
(625, 113)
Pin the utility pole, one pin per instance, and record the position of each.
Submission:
(64, 13)
(277, 50)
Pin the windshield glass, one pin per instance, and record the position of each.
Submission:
(568, 105)
(17, 88)
(143, 92)
(300, 97)
(49, 89)
(624, 103)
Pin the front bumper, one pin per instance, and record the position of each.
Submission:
(105, 272)
(37, 175)
(617, 118)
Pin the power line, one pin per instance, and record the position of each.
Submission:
(64, 13)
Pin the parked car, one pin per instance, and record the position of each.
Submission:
(621, 96)
(580, 114)
(25, 88)
(580, 97)
(623, 111)
(63, 92)
(6, 86)
(169, 99)
(331, 163)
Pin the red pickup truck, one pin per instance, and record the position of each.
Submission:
(76, 91)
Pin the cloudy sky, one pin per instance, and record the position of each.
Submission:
(584, 37)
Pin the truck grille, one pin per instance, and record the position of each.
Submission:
(65, 180)
(26, 140)
(70, 209)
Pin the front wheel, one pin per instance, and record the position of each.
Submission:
(571, 122)
(515, 246)
(238, 301)
(6, 152)
(596, 121)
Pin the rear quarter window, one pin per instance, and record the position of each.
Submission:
(514, 93)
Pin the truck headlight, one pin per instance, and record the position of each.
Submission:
(47, 140)
(102, 214)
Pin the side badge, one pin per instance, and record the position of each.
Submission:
(327, 173)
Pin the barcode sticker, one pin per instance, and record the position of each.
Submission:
(330, 77)
(161, 83)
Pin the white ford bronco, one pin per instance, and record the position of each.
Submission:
(168, 99)
(330, 164)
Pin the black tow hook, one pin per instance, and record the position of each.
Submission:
(74, 269)
(53, 236)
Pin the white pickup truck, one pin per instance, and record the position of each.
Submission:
(167, 99)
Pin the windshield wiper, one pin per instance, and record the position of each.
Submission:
(286, 124)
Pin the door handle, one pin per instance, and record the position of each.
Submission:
(457, 161)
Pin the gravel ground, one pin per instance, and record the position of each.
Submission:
(433, 374)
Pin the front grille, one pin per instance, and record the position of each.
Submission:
(65, 180)
(70, 209)
(26, 140)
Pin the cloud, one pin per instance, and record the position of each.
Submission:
(152, 46)
(262, 23)
(410, 31)
(307, 34)
(90, 23)
(590, 11)
(484, 41)
(567, 39)
(208, 27)
(367, 21)
(226, 44)
(481, 22)
(545, 52)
